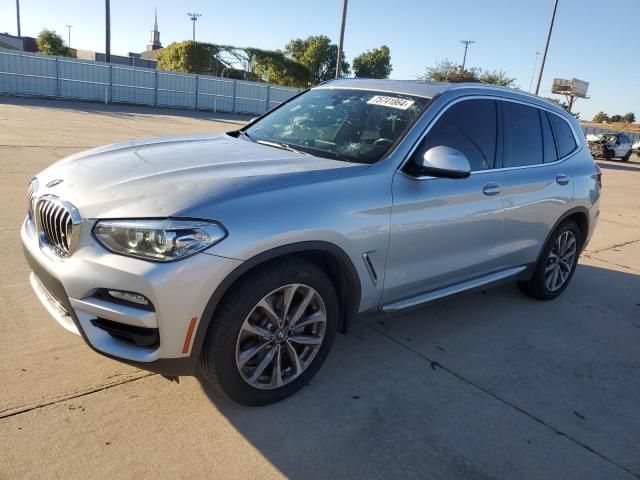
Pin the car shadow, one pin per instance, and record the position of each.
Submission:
(418, 392)
(629, 166)
(125, 110)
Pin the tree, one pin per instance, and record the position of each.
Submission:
(447, 71)
(318, 54)
(374, 63)
(50, 43)
(188, 57)
(616, 118)
(497, 77)
(629, 117)
(600, 117)
(275, 67)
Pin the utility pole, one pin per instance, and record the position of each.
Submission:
(107, 49)
(194, 17)
(546, 45)
(18, 16)
(341, 43)
(466, 46)
(69, 30)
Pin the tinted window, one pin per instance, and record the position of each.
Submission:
(624, 139)
(548, 142)
(564, 135)
(469, 127)
(523, 134)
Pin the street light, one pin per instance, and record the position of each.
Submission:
(533, 72)
(69, 30)
(466, 46)
(194, 17)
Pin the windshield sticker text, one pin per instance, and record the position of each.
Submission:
(393, 102)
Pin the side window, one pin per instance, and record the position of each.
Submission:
(624, 139)
(548, 143)
(564, 135)
(468, 126)
(523, 134)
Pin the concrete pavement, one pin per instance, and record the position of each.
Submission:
(483, 385)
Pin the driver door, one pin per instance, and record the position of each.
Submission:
(443, 230)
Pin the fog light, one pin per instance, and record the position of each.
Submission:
(129, 297)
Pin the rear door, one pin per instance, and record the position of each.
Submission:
(445, 230)
(538, 184)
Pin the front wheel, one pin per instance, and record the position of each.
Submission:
(272, 333)
(557, 263)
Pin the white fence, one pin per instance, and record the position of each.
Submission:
(62, 77)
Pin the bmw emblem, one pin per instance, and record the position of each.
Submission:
(55, 182)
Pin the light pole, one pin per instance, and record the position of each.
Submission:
(341, 43)
(194, 17)
(466, 46)
(107, 49)
(69, 30)
(533, 72)
(546, 46)
(18, 16)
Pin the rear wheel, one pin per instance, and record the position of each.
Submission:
(557, 263)
(272, 333)
(626, 157)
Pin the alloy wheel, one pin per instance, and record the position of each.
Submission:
(281, 336)
(561, 261)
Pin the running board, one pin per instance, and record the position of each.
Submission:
(452, 289)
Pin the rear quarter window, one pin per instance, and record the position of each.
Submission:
(564, 135)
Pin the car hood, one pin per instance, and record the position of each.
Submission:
(159, 177)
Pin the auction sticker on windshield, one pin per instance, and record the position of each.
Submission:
(394, 102)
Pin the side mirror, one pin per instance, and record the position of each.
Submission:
(442, 161)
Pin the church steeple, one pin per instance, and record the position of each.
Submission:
(154, 43)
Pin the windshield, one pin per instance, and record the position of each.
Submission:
(351, 125)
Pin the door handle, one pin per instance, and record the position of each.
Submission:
(562, 179)
(491, 189)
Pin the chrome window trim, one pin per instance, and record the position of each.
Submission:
(579, 142)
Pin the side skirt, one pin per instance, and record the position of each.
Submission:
(483, 281)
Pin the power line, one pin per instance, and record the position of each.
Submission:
(466, 46)
(194, 17)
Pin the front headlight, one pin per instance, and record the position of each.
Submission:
(34, 184)
(159, 240)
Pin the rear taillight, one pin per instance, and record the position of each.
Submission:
(599, 174)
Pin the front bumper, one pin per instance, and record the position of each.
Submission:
(179, 292)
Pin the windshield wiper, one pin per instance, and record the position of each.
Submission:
(281, 146)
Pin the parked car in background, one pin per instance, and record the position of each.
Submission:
(243, 254)
(611, 145)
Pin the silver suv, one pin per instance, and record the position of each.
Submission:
(244, 253)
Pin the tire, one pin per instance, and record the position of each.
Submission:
(242, 336)
(609, 154)
(626, 157)
(539, 285)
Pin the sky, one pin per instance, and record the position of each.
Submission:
(507, 34)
